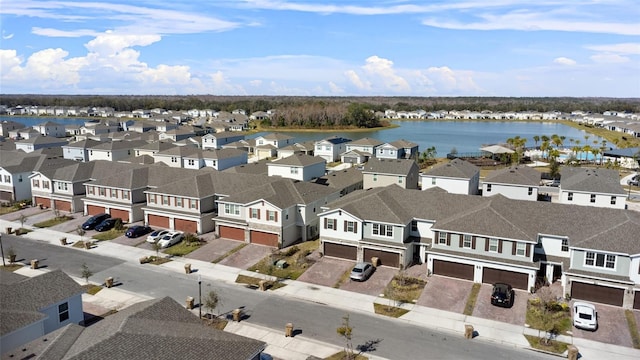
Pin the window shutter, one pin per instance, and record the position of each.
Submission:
(325, 222)
(500, 246)
(259, 214)
(473, 243)
(449, 239)
(335, 224)
(460, 242)
(528, 251)
(355, 227)
(345, 226)
(513, 248)
(486, 244)
(275, 215)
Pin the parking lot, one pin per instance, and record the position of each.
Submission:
(515, 315)
(445, 293)
(612, 326)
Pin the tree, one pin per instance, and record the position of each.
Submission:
(22, 220)
(80, 231)
(86, 273)
(156, 247)
(211, 301)
(536, 138)
(346, 332)
(547, 303)
(428, 157)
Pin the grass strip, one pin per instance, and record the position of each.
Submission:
(387, 310)
(230, 252)
(633, 328)
(557, 347)
(471, 301)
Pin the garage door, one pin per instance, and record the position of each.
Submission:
(95, 210)
(6, 196)
(44, 201)
(122, 214)
(447, 268)
(636, 300)
(516, 280)
(159, 221)
(597, 293)
(341, 251)
(263, 238)
(188, 226)
(232, 233)
(62, 205)
(387, 258)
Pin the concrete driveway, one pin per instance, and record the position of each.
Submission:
(612, 326)
(327, 271)
(247, 256)
(515, 315)
(445, 293)
(214, 249)
(376, 283)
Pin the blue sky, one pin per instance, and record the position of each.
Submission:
(322, 48)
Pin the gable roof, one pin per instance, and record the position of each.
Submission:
(154, 329)
(591, 180)
(298, 160)
(515, 175)
(367, 141)
(119, 145)
(276, 136)
(282, 193)
(22, 300)
(334, 140)
(403, 144)
(389, 166)
(456, 168)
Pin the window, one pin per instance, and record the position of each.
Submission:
(114, 193)
(399, 179)
(600, 260)
(152, 199)
(442, 238)
(191, 162)
(45, 184)
(90, 189)
(102, 191)
(165, 200)
(61, 186)
(36, 183)
(488, 187)
(174, 159)
(327, 147)
(319, 147)
(294, 170)
(466, 241)
(179, 202)
(350, 226)
(254, 213)
(414, 225)
(125, 194)
(565, 245)
(375, 177)
(383, 230)
(530, 191)
(433, 181)
(194, 205)
(570, 196)
(63, 312)
(493, 245)
(330, 224)
(521, 249)
(593, 198)
(7, 178)
(613, 200)
(231, 209)
(272, 215)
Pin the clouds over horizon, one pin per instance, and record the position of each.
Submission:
(266, 47)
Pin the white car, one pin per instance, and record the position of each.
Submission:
(585, 316)
(170, 238)
(156, 235)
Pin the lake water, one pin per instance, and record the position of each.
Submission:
(464, 136)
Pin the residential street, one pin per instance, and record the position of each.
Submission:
(387, 337)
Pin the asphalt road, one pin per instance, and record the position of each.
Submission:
(385, 337)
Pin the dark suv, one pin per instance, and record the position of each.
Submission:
(93, 221)
(502, 295)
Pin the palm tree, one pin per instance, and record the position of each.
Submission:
(544, 138)
(536, 138)
(544, 147)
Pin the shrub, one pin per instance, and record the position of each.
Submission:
(291, 251)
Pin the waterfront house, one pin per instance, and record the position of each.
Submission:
(515, 182)
(400, 149)
(7, 125)
(384, 172)
(306, 147)
(457, 177)
(331, 148)
(50, 128)
(366, 146)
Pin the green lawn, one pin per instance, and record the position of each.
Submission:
(53, 222)
(554, 346)
(109, 235)
(389, 310)
(182, 248)
(557, 317)
(295, 257)
(471, 301)
(405, 289)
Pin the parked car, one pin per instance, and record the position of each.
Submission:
(585, 316)
(361, 271)
(93, 221)
(635, 181)
(502, 295)
(170, 239)
(107, 224)
(156, 235)
(137, 230)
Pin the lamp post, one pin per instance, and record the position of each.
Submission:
(200, 295)
(2, 250)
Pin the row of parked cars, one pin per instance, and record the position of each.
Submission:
(104, 222)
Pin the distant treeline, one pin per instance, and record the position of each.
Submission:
(326, 111)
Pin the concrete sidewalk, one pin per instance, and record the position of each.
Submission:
(300, 347)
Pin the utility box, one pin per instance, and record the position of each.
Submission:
(281, 264)
(190, 303)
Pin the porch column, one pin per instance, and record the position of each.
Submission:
(549, 273)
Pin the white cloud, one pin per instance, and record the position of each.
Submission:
(564, 61)
(382, 69)
(609, 58)
(622, 48)
(335, 89)
(6, 36)
(353, 77)
(62, 33)
(255, 83)
(447, 81)
(111, 43)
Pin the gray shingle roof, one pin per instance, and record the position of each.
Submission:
(515, 175)
(455, 168)
(341, 179)
(22, 300)
(367, 141)
(298, 160)
(334, 140)
(256, 168)
(591, 180)
(389, 166)
(119, 145)
(155, 329)
(282, 193)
